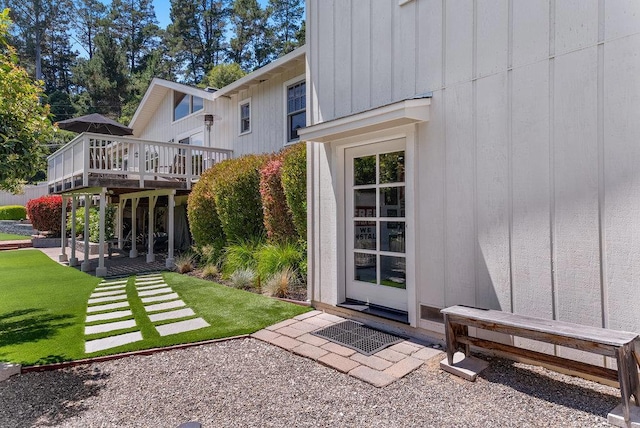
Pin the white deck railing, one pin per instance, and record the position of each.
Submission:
(125, 158)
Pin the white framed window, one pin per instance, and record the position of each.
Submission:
(185, 105)
(244, 113)
(295, 96)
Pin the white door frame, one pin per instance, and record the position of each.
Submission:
(338, 148)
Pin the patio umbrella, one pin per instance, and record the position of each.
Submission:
(94, 123)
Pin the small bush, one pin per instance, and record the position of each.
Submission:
(45, 213)
(13, 212)
(279, 284)
(274, 258)
(94, 223)
(294, 184)
(210, 271)
(204, 222)
(237, 197)
(243, 278)
(277, 216)
(241, 256)
(185, 263)
(207, 254)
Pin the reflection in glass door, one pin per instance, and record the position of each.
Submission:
(375, 220)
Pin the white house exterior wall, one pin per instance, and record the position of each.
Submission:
(268, 118)
(527, 180)
(161, 126)
(268, 114)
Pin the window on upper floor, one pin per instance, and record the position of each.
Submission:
(184, 105)
(296, 109)
(245, 116)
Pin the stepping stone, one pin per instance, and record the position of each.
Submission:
(114, 287)
(152, 287)
(182, 326)
(108, 316)
(180, 313)
(154, 292)
(165, 306)
(108, 307)
(111, 342)
(148, 277)
(107, 283)
(162, 298)
(106, 293)
(111, 326)
(108, 299)
(142, 284)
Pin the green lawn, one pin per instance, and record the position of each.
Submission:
(43, 309)
(12, 237)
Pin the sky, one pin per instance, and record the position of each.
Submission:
(163, 8)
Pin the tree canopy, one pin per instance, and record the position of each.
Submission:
(24, 122)
(103, 55)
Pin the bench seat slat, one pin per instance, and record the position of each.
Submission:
(578, 366)
(552, 327)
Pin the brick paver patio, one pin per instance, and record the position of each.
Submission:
(380, 369)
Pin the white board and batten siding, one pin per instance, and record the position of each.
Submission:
(528, 170)
(268, 117)
(268, 113)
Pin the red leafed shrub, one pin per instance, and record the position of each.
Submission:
(45, 213)
(277, 217)
(294, 183)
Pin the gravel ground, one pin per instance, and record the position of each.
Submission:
(250, 383)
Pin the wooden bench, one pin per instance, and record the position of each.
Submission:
(623, 346)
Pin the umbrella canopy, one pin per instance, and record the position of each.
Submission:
(94, 123)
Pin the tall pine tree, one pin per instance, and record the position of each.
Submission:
(286, 17)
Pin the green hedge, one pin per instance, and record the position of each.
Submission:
(13, 212)
(236, 191)
(294, 184)
(204, 222)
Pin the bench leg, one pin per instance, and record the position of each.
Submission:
(450, 338)
(622, 358)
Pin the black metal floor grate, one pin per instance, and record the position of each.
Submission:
(358, 337)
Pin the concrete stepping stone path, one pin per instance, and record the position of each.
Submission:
(181, 326)
(164, 306)
(111, 342)
(161, 298)
(154, 291)
(165, 310)
(109, 291)
(109, 312)
(171, 315)
(109, 316)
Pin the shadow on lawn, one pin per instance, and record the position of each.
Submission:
(543, 387)
(49, 398)
(30, 325)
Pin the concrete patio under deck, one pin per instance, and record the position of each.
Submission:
(117, 265)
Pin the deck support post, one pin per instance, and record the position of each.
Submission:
(134, 233)
(152, 204)
(101, 271)
(121, 204)
(170, 262)
(63, 232)
(73, 261)
(86, 266)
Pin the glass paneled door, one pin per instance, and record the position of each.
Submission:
(375, 224)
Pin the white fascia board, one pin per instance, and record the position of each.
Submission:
(390, 116)
(275, 67)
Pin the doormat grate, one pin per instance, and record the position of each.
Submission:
(358, 337)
